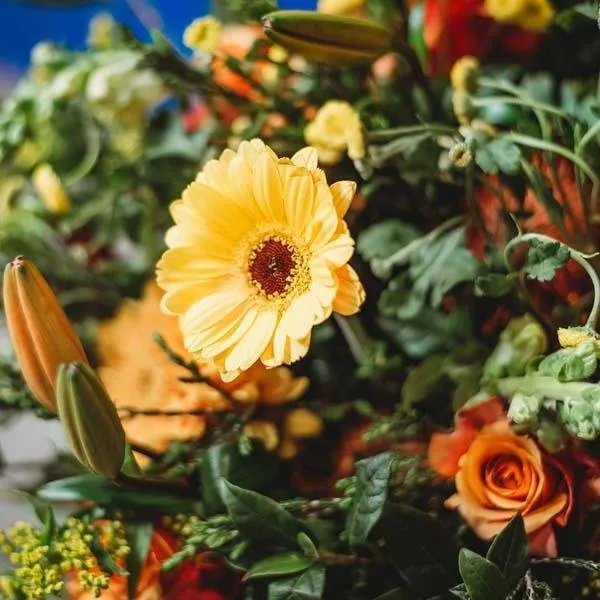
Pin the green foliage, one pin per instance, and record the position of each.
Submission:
(482, 578)
(385, 238)
(510, 551)
(571, 364)
(544, 258)
(286, 563)
(372, 482)
(138, 536)
(499, 156)
(494, 285)
(583, 11)
(308, 585)
(252, 10)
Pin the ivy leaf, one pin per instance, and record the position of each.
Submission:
(544, 258)
(259, 517)
(309, 585)
(499, 155)
(372, 482)
(571, 364)
(286, 563)
(138, 538)
(384, 239)
(510, 551)
(482, 578)
(494, 285)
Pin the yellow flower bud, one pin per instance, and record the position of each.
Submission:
(263, 431)
(41, 334)
(533, 15)
(203, 34)
(571, 337)
(50, 189)
(463, 75)
(90, 420)
(302, 423)
(336, 129)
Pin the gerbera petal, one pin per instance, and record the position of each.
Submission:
(343, 193)
(267, 188)
(299, 200)
(248, 350)
(338, 251)
(324, 219)
(233, 335)
(307, 157)
(350, 294)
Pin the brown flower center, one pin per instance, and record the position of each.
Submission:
(272, 266)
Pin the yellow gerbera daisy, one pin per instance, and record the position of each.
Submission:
(257, 257)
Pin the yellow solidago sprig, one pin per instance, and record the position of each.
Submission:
(258, 256)
(41, 564)
(203, 34)
(50, 189)
(532, 15)
(336, 130)
(571, 337)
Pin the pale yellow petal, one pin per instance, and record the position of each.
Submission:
(307, 157)
(232, 335)
(338, 251)
(324, 220)
(267, 188)
(343, 193)
(350, 294)
(299, 200)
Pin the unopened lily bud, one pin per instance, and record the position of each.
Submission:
(301, 423)
(90, 420)
(329, 39)
(41, 334)
(524, 408)
(577, 416)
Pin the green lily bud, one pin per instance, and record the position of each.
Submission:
(524, 408)
(89, 417)
(522, 339)
(551, 436)
(336, 41)
(577, 416)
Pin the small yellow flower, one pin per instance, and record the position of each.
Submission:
(203, 34)
(302, 423)
(573, 336)
(342, 8)
(264, 432)
(336, 129)
(463, 75)
(102, 31)
(277, 54)
(532, 15)
(257, 257)
(50, 189)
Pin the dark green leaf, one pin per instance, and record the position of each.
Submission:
(482, 578)
(309, 585)
(130, 466)
(418, 546)
(494, 285)
(105, 560)
(45, 514)
(385, 238)
(510, 551)
(422, 380)
(372, 482)
(138, 538)
(460, 591)
(307, 545)
(544, 258)
(397, 594)
(584, 11)
(101, 491)
(286, 563)
(259, 517)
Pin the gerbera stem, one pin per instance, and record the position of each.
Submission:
(356, 336)
(578, 257)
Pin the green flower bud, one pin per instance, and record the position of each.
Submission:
(577, 416)
(89, 417)
(523, 339)
(524, 408)
(551, 436)
(571, 364)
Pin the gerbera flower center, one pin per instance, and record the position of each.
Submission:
(273, 265)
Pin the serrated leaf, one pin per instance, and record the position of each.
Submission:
(259, 517)
(544, 258)
(482, 578)
(494, 285)
(384, 239)
(372, 482)
(139, 536)
(510, 551)
(286, 563)
(309, 585)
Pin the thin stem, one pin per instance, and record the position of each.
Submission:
(146, 452)
(355, 335)
(433, 128)
(494, 100)
(589, 136)
(578, 257)
(344, 560)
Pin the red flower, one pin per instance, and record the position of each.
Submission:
(455, 28)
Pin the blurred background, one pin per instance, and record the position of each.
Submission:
(27, 443)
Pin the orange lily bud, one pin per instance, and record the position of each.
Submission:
(41, 333)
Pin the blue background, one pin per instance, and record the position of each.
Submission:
(24, 23)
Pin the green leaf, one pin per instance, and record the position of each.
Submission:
(286, 563)
(138, 538)
(482, 578)
(105, 560)
(307, 545)
(494, 285)
(309, 585)
(499, 155)
(397, 594)
(130, 466)
(385, 238)
(45, 514)
(254, 471)
(420, 547)
(372, 482)
(544, 258)
(422, 380)
(544, 192)
(510, 551)
(101, 491)
(567, 19)
(259, 517)
(571, 364)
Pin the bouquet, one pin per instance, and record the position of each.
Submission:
(315, 304)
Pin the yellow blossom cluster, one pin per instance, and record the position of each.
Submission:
(203, 34)
(41, 565)
(532, 15)
(571, 337)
